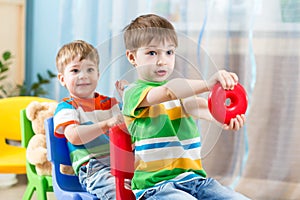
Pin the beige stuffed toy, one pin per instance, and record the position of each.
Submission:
(36, 152)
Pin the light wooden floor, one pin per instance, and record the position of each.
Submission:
(16, 191)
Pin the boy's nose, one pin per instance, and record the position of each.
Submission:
(82, 74)
(161, 61)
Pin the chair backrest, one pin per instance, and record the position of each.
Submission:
(10, 116)
(27, 133)
(26, 128)
(65, 186)
(58, 154)
(122, 160)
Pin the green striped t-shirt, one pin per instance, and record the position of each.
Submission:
(167, 141)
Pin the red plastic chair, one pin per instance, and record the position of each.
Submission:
(122, 160)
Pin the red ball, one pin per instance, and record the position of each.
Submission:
(227, 104)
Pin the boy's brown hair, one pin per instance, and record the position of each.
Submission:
(70, 51)
(145, 28)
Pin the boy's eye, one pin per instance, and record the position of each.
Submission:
(152, 53)
(170, 52)
(74, 70)
(91, 69)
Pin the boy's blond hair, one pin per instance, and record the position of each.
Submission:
(145, 28)
(70, 51)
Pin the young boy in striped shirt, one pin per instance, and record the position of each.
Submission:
(85, 117)
(159, 116)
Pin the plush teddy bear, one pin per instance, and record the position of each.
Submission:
(36, 152)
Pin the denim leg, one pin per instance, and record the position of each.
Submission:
(210, 189)
(97, 179)
(167, 192)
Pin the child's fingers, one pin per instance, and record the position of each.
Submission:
(224, 78)
(120, 119)
(238, 122)
(117, 85)
(227, 79)
(231, 80)
(225, 127)
(241, 120)
(234, 77)
(235, 123)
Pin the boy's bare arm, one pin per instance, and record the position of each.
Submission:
(178, 88)
(197, 107)
(82, 134)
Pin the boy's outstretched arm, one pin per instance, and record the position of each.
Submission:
(178, 88)
(197, 107)
(181, 88)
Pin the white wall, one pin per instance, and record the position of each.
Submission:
(12, 34)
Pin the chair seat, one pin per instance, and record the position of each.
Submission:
(13, 159)
(10, 129)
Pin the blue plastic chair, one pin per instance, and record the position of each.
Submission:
(64, 186)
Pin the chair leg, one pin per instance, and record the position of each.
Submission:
(28, 192)
(41, 194)
(41, 190)
(121, 192)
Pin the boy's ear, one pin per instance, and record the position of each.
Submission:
(131, 57)
(60, 77)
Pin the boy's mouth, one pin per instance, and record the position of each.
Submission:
(83, 84)
(161, 72)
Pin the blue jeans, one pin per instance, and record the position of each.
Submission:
(95, 178)
(204, 189)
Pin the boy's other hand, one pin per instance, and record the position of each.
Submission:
(115, 120)
(120, 86)
(235, 123)
(227, 79)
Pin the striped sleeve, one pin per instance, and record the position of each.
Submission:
(133, 96)
(64, 115)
